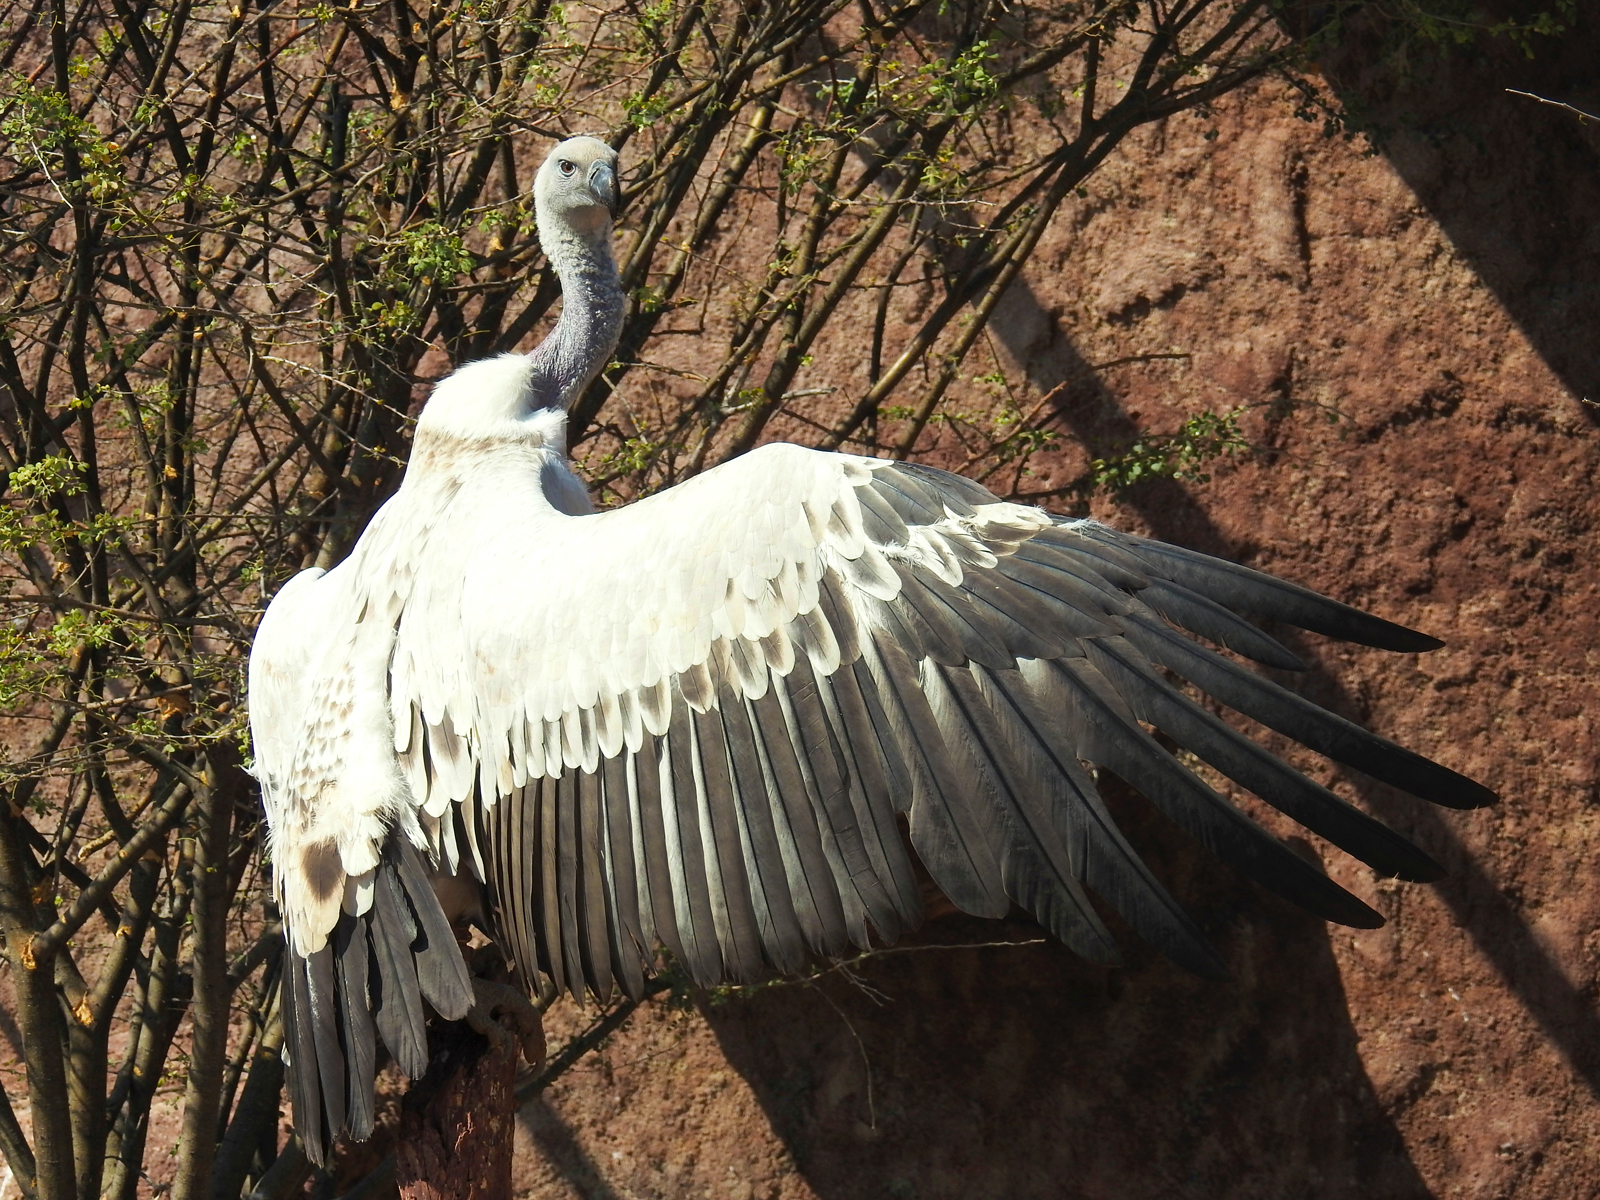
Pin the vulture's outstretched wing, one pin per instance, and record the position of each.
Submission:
(695, 720)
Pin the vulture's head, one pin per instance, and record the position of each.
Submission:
(576, 188)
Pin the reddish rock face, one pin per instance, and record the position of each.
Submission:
(1441, 303)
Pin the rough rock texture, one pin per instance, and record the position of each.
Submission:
(1440, 303)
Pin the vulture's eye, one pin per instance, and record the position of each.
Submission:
(566, 167)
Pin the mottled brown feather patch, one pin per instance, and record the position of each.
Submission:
(322, 868)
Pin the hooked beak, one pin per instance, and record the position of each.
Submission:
(603, 186)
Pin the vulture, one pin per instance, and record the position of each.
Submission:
(712, 720)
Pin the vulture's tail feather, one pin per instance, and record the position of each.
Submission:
(441, 972)
(352, 957)
(372, 973)
(305, 1092)
(396, 997)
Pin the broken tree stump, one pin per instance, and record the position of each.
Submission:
(456, 1121)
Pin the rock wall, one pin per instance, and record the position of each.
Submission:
(1415, 334)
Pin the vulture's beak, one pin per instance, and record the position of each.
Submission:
(603, 186)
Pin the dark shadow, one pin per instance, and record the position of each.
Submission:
(1514, 183)
(562, 1151)
(1564, 1013)
(1500, 932)
(1022, 1072)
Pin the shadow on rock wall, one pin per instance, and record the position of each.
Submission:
(1514, 183)
(1064, 1080)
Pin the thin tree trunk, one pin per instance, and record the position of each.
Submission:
(210, 1005)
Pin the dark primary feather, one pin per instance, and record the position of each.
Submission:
(1110, 737)
(1201, 615)
(1294, 716)
(1262, 595)
(1246, 763)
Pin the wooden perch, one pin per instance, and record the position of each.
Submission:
(456, 1122)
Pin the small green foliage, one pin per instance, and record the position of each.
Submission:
(243, 147)
(391, 317)
(680, 988)
(643, 110)
(433, 253)
(962, 86)
(842, 93)
(38, 119)
(799, 153)
(1463, 22)
(41, 129)
(651, 299)
(633, 454)
(941, 175)
(75, 628)
(55, 474)
(1182, 455)
(964, 83)
(655, 15)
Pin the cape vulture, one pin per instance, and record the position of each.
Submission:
(697, 722)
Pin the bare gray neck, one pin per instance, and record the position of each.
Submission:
(580, 345)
